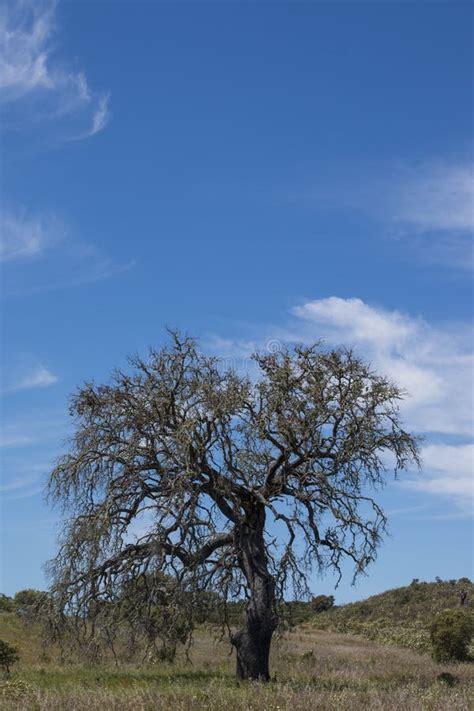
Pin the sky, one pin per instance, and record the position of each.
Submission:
(254, 174)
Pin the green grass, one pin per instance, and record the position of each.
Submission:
(312, 668)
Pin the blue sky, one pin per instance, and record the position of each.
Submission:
(252, 173)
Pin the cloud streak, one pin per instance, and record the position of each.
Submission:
(35, 81)
(438, 197)
(38, 251)
(40, 377)
(27, 374)
(429, 206)
(24, 238)
(449, 471)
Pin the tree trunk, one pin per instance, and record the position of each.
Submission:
(253, 641)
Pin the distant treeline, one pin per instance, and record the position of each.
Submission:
(29, 604)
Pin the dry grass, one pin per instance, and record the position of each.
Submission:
(313, 669)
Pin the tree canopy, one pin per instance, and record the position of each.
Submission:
(225, 482)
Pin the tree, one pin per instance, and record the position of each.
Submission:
(451, 633)
(225, 482)
(321, 603)
(8, 656)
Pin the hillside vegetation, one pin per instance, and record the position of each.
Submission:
(401, 616)
(314, 666)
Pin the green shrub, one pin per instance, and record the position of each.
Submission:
(448, 679)
(28, 603)
(8, 656)
(450, 634)
(320, 603)
(6, 603)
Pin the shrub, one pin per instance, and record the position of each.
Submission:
(320, 603)
(448, 679)
(450, 634)
(6, 603)
(28, 603)
(8, 656)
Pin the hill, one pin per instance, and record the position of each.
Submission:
(401, 616)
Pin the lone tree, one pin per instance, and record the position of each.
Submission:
(227, 483)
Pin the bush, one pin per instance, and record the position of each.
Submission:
(448, 679)
(6, 603)
(28, 603)
(8, 656)
(450, 634)
(320, 603)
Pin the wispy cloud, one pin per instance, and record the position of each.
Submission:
(39, 377)
(434, 208)
(101, 116)
(32, 75)
(23, 238)
(18, 483)
(439, 196)
(39, 251)
(430, 206)
(39, 428)
(24, 373)
(22, 486)
(449, 471)
(15, 439)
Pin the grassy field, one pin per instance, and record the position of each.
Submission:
(313, 669)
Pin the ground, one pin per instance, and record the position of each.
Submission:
(313, 669)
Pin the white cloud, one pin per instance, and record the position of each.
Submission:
(27, 377)
(30, 71)
(357, 321)
(434, 365)
(438, 197)
(101, 116)
(40, 377)
(449, 470)
(24, 238)
(429, 206)
(454, 458)
(434, 207)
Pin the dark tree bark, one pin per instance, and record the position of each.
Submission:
(253, 641)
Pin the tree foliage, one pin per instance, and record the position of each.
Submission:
(451, 632)
(225, 483)
(321, 603)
